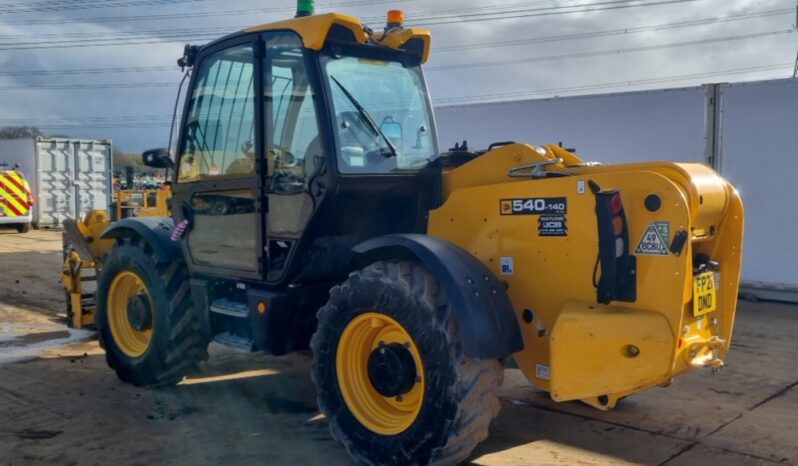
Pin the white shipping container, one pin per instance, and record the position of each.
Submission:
(68, 177)
(757, 150)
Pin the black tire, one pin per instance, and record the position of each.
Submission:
(177, 344)
(459, 401)
(23, 227)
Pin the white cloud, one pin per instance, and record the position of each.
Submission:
(44, 105)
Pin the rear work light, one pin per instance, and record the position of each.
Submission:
(616, 281)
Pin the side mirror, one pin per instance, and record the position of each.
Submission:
(157, 158)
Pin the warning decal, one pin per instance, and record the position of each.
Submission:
(652, 243)
(506, 266)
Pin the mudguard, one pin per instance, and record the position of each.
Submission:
(156, 231)
(485, 317)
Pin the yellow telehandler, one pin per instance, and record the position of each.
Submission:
(311, 208)
(84, 250)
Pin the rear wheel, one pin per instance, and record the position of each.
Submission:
(390, 372)
(23, 227)
(148, 326)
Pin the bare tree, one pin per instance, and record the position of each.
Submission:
(20, 132)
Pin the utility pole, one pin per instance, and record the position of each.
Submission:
(795, 26)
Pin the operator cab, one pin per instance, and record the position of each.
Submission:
(299, 140)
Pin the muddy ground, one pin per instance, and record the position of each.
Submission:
(60, 404)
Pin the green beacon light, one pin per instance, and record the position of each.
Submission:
(304, 8)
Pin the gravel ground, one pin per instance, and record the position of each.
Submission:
(60, 404)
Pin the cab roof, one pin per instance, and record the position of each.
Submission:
(316, 30)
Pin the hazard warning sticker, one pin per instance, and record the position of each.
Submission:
(655, 240)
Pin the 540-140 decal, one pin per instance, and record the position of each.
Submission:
(533, 206)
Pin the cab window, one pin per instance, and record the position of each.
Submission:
(219, 137)
(293, 148)
(382, 115)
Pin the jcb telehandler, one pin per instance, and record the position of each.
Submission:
(312, 208)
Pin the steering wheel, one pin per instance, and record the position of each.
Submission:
(283, 158)
(220, 206)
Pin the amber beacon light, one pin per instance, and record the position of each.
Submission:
(395, 19)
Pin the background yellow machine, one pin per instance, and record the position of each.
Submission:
(312, 208)
(84, 250)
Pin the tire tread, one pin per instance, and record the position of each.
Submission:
(477, 381)
(185, 346)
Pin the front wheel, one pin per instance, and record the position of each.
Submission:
(149, 328)
(390, 372)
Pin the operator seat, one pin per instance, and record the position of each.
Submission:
(290, 212)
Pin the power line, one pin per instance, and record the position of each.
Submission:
(116, 33)
(607, 52)
(429, 68)
(186, 15)
(436, 14)
(443, 19)
(612, 32)
(585, 35)
(32, 87)
(125, 121)
(60, 6)
(86, 37)
(238, 12)
(105, 43)
(141, 69)
(513, 15)
(511, 7)
(86, 119)
(610, 85)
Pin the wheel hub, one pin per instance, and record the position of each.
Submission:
(380, 373)
(138, 312)
(391, 369)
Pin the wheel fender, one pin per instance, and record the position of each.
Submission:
(156, 231)
(486, 321)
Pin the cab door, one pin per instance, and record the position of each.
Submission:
(218, 190)
(294, 147)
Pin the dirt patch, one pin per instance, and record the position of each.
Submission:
(30, 271)
(65, 406)
(32, 338)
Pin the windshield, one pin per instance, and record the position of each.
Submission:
(382, 116)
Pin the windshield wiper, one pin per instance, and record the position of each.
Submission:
(366, 116)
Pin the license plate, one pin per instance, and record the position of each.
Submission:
(704, 295)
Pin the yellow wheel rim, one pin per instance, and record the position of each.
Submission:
(133, 340)
(385, 415)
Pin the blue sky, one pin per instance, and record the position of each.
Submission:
(482, 50)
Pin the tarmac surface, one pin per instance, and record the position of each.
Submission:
(60, 403)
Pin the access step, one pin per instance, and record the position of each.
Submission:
(230, 322)
(230, 308)
(235, 342)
